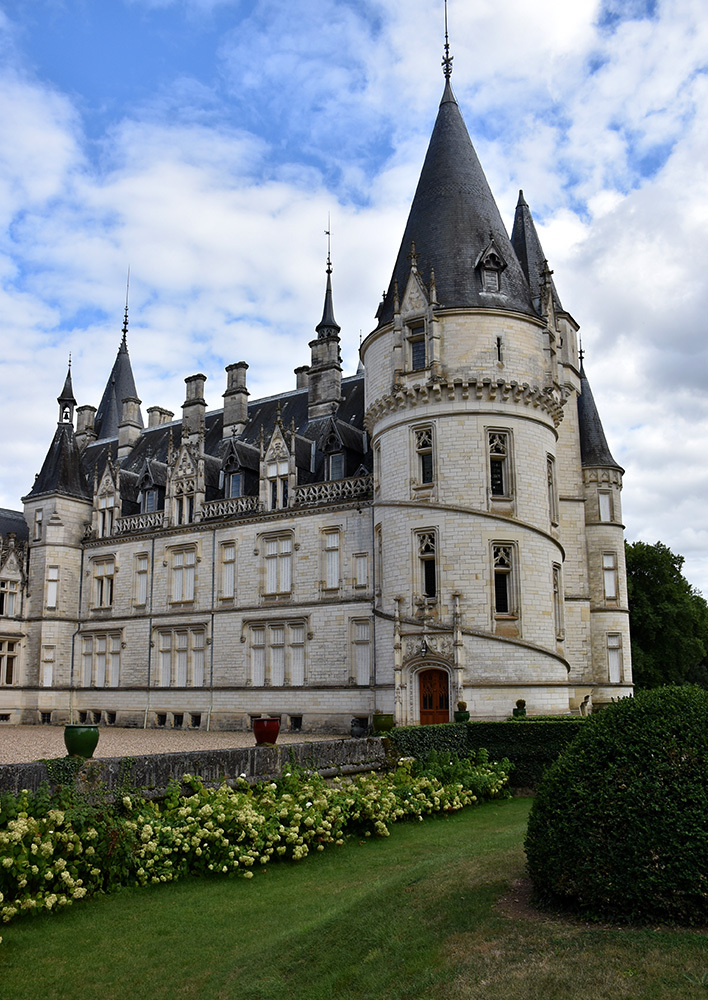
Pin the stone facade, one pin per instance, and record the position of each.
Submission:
(444, 525)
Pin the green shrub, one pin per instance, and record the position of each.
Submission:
(418, 741)
(530, 744)
(619, 826)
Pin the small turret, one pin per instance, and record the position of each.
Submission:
(66, 401)
(325, 376)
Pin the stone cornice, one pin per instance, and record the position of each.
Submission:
(459, 389)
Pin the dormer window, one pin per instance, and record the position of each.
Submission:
(418, 352)
(491, 264)
(234, 485)
(278, 484)
(335, 466)
(148, 501)
(106, 514)
(490, 279)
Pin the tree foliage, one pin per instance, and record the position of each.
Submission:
(668, 619)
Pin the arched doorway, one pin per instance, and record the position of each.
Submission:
(434, 686)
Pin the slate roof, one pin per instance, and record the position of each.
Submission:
(153, 445)
(13, 520)
(452, 220)
(120, 385)
(594, 450)
(62, 472)
(527, 246)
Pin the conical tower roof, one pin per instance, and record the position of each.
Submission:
(528, 249)
(328, 326)
(452, 221)
(594, 450)
(120, 385)
(61, 470)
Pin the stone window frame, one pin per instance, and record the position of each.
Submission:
(38, 525)
(606, 508)
(360, 580)
(552, 486)
(277, 564)
(103, 582)
(616, 661)
(610, 578)
(101, 658)
(279, 656)
(10, 596)
(52, 587)
(504, 559)
(558, 602)
(182, 583)
(423, 458)
(106, 508)
(361, 649)
(500, 452)
(181, 649)
(9, 660)
(48, 654)
(331, 555)
(427, 565)
(228, 552)
(417, 341)
(141, 579)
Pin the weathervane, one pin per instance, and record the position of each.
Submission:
(125, 318)
(447, 59)
(328, 234)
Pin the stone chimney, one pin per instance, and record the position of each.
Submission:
(129, 428)
(301, 377)
(194, 408)
(157, 416)
(85, 433)
(235, 399)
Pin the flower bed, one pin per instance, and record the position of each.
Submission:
(58, 849)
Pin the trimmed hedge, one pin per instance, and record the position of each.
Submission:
(619, 826)
(530, 748)
(418, 741)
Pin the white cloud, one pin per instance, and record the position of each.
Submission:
(216, 192)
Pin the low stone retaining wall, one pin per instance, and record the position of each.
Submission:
(153, 773)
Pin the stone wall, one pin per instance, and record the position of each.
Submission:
(152, 773)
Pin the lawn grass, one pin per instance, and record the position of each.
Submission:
(414, 915)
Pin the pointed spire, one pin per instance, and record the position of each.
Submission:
(594, 450)
(528, 249)
(328, 326)
(450, 221)
(66, 399)
(61, 471)
(120, 386)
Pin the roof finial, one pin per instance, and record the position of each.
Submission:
(581, 354)
(124, 341)
(447, 58)
(69, 359)
(328, 234)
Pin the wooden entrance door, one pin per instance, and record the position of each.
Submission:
(434, 697)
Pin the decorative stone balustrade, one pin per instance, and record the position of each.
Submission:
(360, 488)
(227, 508)
(139, 522)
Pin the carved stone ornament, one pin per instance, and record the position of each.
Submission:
(435, 646)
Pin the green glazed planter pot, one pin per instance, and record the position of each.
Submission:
(80, 741)
(383, 723)
(462, 716)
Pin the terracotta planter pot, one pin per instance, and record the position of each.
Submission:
(80, 740)
(266, 730)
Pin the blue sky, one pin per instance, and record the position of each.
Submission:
(204, 142)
